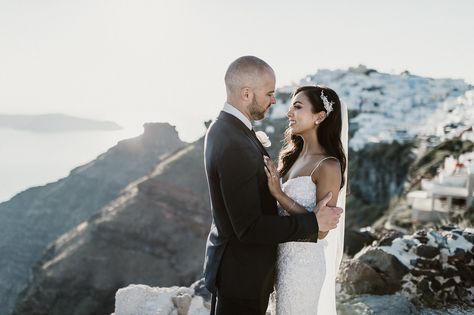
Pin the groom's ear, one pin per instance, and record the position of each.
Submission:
(246, 94)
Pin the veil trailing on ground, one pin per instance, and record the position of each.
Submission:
(334, 241)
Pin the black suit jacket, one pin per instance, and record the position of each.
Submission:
(246, 229)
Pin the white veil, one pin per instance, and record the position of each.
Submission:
(334, 241)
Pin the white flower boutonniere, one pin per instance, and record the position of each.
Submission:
(263, 138)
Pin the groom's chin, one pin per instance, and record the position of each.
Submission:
(260, 116)
(265, 113)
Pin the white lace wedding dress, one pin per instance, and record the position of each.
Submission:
(301, 266)
(306, 272)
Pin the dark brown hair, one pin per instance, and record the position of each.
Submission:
(328, 132)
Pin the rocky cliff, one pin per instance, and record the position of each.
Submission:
(433, 268)
(153, 233)
(34, 218)
(377, 174)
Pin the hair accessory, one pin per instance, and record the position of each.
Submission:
(327, 104)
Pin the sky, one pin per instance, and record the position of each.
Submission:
(142, 61)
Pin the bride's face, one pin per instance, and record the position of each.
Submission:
(300, 115)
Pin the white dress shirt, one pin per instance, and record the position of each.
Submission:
(237, 113)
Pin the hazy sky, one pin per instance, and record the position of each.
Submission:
(135, 61)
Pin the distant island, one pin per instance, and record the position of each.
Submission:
(54, 123)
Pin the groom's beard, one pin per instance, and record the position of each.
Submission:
(256, 112)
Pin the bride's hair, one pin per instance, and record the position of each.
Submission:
(328, 132)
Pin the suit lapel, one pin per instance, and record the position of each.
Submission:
(260, 145)
(249, 133)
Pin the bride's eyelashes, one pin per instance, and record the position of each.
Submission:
(295, 107)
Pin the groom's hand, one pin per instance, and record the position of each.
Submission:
(328, 217)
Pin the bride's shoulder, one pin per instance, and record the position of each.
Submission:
(327, 162)
(330, 162)
(327, 168)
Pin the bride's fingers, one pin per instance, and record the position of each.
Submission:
(269, 169)
(270, 162)
(271, 166)
(265, 160)
(272, 179)
(269, 176)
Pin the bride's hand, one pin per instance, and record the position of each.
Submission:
(273, 177)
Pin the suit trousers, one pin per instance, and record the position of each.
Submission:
(234, 306)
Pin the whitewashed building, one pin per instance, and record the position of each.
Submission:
(452, 189)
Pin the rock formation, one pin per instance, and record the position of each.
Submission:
(34, 218)
(153, 233)
(431, 267)
(145, 300)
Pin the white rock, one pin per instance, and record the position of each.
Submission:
(144, 300)
(198, 307)
(182, 303)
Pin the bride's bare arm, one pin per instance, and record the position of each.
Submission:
(327, 178)
(291, 206)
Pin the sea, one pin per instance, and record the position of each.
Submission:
(29, 159)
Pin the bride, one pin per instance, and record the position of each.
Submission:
(311, 164)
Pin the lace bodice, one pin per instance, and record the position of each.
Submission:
(302, 190)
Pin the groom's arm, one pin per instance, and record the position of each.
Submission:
(238, 176)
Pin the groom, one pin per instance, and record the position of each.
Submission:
(242, 244)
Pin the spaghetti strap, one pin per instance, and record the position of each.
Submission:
(319, 163)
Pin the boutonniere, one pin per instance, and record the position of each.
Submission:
(263, 138)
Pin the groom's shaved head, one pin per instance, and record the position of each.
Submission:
(244, 72)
